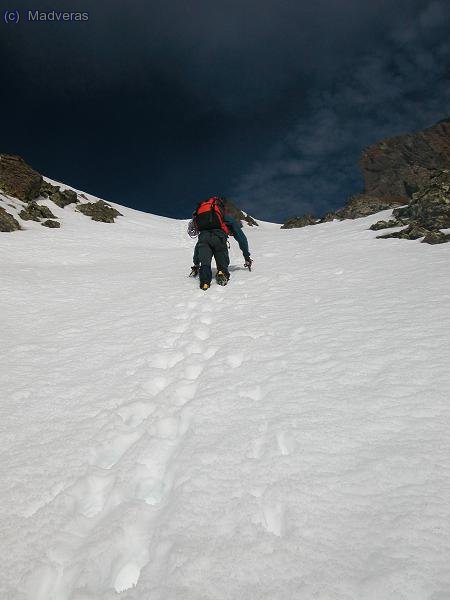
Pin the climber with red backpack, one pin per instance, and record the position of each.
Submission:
(213, 225)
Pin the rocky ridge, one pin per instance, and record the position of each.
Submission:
(238, 214)
(426, 214)
(24, 190)
(408, 173)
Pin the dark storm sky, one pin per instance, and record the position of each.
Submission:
(156, 104)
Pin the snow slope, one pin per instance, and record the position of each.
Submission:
(285, 437)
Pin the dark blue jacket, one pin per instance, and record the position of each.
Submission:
(236, 232)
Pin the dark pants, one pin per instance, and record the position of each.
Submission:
(212, 243)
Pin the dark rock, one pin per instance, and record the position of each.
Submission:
(302, 221)
(250, 221)
(7, 221)
(363, 205)
(397, 168)
(412, 232)
(328, 217)
(99, 211)
(63, 199)
(403, 164)
(35, 212)
(51, 224)
(236, 213)
(436, 237)
(47, 189)
(430, 206)
(18, 179)
(386, 224)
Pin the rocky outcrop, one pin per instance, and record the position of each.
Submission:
(18, 179)
(238, 214)
(430, 206)
(386, 224)
(99, 211)
(426, 214)
(363, 205)
(401, 165)
(399, 173)
(7, 221)
(51, 224)
(36, 212)
(63, 199)
(436, 237)
(412, 232)
(303, 221)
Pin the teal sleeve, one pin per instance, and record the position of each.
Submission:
(238, 234)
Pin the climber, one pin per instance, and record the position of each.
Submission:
(214, 223)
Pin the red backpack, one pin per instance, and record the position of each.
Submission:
(210, 215)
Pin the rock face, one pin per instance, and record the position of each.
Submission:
(299, 222)
(410, 170)
(51, 224)
(18, 179)
(363, 205)
(430, 206)
(237, 213)
(35, 212)
(63, 199)
(7, 221)
(401, 165)
(99, 211)
(426, 214)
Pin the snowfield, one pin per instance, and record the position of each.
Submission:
(286, 437)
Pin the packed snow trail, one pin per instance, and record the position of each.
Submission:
(283, 437)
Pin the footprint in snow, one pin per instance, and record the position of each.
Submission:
(286, 442)
(132, 555)
(194, 348)
(273, 519)
(185, 392)
(182, 328)
(108, 454)
(127, 577)
(235, 360)
(167, 428)
(135, 413)
(156, 385)
(91, 492)
(166, 359)
(254, 393)
(202, 333)
(206, 319)
(193, 372)
(256, 447)
(210, 352)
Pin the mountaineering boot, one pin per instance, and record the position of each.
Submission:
(221, 278)
(204, 286)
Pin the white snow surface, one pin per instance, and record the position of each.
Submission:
(284, 437)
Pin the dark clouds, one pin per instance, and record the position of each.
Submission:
(154, 104)
(397, 87)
